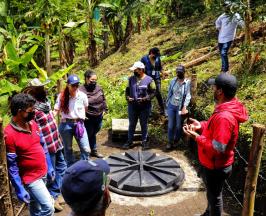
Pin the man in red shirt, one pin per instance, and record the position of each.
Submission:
(28, 161)
(217, 138)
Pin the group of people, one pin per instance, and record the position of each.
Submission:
(38, 151)
(41, 163)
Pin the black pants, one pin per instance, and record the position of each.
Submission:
(158, 94)
(214, 181)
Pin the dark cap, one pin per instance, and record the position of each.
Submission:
(85, 181)
(155, 51)
(225, 81)
(72, 79)
(180, 69)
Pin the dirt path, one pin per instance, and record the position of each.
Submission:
(188, 200)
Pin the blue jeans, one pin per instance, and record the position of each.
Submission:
(93, 125)
(174, 123)
(135, 113)
(224, 47)
(67, 131)
(41, 202)
(59, 165)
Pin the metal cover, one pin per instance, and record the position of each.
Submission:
(143, 173)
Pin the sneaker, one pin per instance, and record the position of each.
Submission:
(61, 200)
(127, 145)
(57, 206)
(94, 153)
(169, 146)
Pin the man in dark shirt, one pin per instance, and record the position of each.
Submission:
(153, 68)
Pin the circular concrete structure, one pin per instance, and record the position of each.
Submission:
(143, 173)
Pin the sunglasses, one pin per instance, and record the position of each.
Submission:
(75, 85)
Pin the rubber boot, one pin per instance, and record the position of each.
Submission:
(145, 145)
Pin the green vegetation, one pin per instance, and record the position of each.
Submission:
(109, 36)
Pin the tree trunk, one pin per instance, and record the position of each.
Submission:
(139, 23)
(105, 34)
(92, 49)
(148, 23)
(129, 29)
(62, 53)
(248, 39)
(69, 47)
(47, 55)
(5, 198)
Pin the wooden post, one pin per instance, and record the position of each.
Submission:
(5, 198)
(253, 169)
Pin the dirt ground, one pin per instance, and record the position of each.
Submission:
(188, 200)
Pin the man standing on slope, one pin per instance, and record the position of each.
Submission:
(153, 68)
(216, 139)
(226, 24)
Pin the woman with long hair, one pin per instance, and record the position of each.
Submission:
(96, 110)
(73, 104)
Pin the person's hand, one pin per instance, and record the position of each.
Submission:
(23, 196)
(130, 98)
(184, 111)
(194, 124)
(189, 132)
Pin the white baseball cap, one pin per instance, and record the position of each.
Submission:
(136, 65)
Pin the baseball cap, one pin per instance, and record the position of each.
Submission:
(227, 3)
(136, 65)
(227, 82)
(37, 83)
(85, 181)
(72, 79)
(180, 69)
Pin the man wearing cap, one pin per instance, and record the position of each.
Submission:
(177, 101)
(216, 139)
(153, 68)
(73, 104)
(48, 127)
(139, 92)
(85, 188)
(226, 24)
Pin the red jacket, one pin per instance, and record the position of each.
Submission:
(220, 133)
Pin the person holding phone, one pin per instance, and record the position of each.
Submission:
(139, 92)
(177, 101)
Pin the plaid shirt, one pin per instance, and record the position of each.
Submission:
(49, 130)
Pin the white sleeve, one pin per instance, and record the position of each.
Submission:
(86, 101)
(218, 23)
(57, 103)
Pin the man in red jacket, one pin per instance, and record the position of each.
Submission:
(216, 139)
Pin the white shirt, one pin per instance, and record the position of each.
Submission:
(77, 106)
(227, 27)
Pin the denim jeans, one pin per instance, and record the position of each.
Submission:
(134, 113)
(41, 202)
(59, 165)
(67, 131)
(159, 94)
(214, 181)
(174, 123)
(224, 47)
(93, 125)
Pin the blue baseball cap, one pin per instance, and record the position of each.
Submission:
(72, 79)
(85, 181)
(180, 69)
